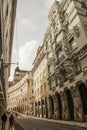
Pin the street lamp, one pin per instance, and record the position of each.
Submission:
(6, 64)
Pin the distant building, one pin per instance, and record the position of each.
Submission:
(7, 20)
(40, 84)
(19, 92)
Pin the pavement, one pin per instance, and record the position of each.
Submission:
(70, 123)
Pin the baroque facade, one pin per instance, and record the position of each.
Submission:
(40, 83)
(66, 52)
(19, 92)
(59, 68)
(7, 20)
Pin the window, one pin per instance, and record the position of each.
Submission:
(83, 4)
(38, 91)
(49, 69)
(44, 72)
(41, 89)
(61, 56)
(45, 87)
(72, 44)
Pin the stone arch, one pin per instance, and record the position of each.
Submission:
(36, 109)
(39, 109)
(70, 104)
(59, 105)
(46, 107)
(83, 94)
(51, 103)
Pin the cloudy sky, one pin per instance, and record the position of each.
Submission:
(30, 27)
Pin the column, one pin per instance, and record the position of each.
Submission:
(49, 107)
(78, 110)
(41, 108)
(65, 110)
(55, 107)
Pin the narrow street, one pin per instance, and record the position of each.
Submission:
(35, 124)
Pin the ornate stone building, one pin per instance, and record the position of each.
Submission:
(7, 20)
(66, 46)
(40, 85)
(19, 92)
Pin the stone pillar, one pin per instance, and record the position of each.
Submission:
(78, 110)
(41, 107)
(49, 107)
(38, 109)
(57, 107)
(56, 112)
(65, 109)
(35, 109)
(44, 109)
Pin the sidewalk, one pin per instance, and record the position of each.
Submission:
(71, 123)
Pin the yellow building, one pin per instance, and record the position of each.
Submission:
(19, 92)
(40, 82)
(7, 20)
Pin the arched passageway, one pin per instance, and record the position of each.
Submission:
(42, 107)
(83, 93)
(59, 105)
(46, 107)
(52, 105)
(39, 109)
(70, 104)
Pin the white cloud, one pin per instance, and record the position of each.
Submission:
(28, 23)
(25, 21)
(48, 3)
(27, 55)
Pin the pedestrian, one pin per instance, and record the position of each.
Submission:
(11, 121)
(4, 119)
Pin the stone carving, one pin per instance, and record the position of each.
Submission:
(74, 92)
(85, 70)
(60, 78)
(65, 111)
(86, 83)
(58, 46)
(78, 110)
(66, 50)
(76, 31)
(85, 25)
(69, 69)
(77, 104)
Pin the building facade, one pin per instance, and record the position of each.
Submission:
(40, 83)
(66, 43)
(59, 69)
(7, 20)
(19, 91)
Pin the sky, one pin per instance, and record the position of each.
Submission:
(30, 27)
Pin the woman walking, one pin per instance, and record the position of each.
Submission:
(11, 121)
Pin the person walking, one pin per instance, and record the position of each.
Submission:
(4, 119)
(11, 121)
